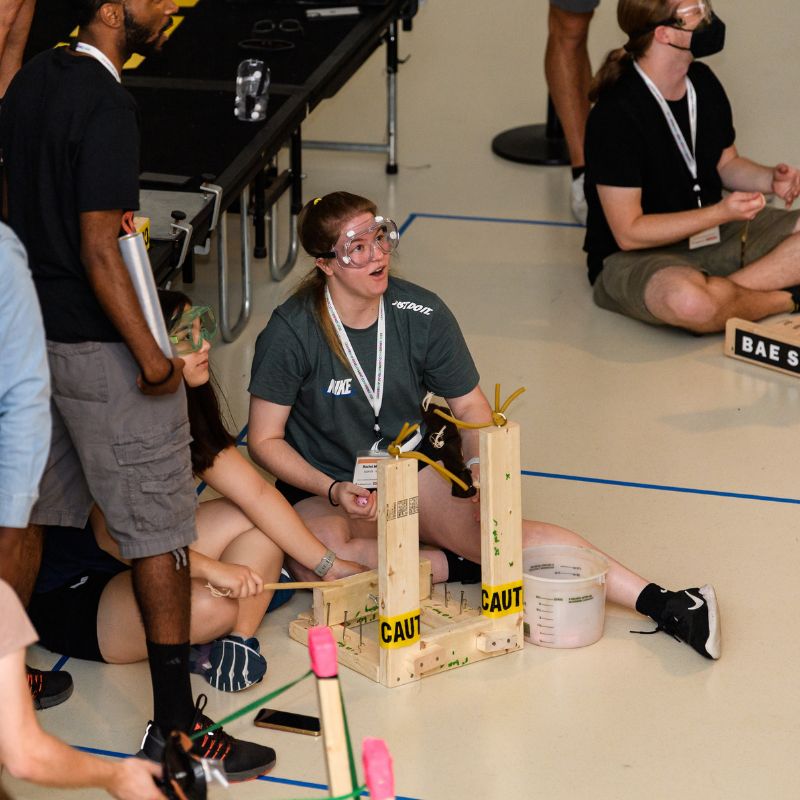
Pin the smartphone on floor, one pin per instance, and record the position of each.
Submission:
(286, 721)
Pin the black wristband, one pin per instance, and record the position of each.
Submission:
(330, 500)
(166, 380)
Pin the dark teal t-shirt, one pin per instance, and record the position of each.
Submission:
(331, 418)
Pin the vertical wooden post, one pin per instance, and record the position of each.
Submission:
(323, 661)
(501, 521)
(398, 569)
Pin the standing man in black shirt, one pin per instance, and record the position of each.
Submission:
(663, 245)
(120, 429)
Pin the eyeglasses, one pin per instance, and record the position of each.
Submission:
(359, 249)
(695, 15)
(263, 28)
(193, 326)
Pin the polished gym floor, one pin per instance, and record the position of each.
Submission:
(651, 443)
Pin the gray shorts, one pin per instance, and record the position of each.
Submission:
(112, 445)
(621, 285)
(576, 6)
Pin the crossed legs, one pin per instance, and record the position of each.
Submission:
(225, 534)
(683, 297)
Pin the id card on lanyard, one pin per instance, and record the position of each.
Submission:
(366, 469)
(711, 235)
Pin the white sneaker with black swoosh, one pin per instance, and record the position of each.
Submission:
(692, 616)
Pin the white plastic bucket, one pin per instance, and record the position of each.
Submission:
(564, 595)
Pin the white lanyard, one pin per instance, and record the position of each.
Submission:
(375, 397)
(689, 156)
(82, 47)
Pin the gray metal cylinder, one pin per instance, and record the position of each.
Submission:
(134, 254)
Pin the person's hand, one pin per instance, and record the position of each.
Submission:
(160, 373)
(242, 581)
(742, 205)
(343, 569)
(786, 183)
(133, 780)
(347, 495)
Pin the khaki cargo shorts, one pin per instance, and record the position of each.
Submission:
(115, 446)
(621, 285)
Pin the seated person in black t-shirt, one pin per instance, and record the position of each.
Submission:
(310, 414)
(663, 245)
(84, 605)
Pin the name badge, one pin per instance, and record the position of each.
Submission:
(705, 238)
(366, 471)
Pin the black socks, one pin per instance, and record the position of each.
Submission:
(652, 602)
(577, 172)
(173, 706)
(460, 570)
(794, 291)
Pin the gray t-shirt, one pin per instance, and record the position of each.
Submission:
(331, 418)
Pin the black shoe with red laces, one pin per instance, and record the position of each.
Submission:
(48, 689)
(242, 760)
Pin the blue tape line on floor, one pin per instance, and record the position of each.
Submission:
(287, 781)
(507, 221)
(682, 489)
(60, 663)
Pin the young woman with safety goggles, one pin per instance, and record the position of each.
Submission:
(317, 402)
(242, 537)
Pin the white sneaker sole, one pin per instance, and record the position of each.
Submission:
(713, 644)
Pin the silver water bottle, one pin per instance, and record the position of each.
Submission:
(134, 254)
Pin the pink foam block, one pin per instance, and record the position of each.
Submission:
(323, 652)
(378, 769)
(362, 501)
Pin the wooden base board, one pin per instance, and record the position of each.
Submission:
(352, 595)
(774, 345)
(435, 613)
(440, 650)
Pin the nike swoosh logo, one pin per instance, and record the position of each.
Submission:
(697, 600)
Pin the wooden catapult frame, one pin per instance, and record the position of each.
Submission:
(400, 593)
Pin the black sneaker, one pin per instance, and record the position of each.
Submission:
(48, 689)
(692, 616)
(242, 760)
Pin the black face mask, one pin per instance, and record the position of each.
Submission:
(707, 41)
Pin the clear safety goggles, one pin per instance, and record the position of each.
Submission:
(359, 249)
(693, 15)
(194, 325)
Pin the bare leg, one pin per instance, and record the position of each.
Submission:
(20, 556)
(253, 549)
(225, 533)
(776, 270)
(449, 522)
(120, 631)
(163, 595)
(350, 539)
(15, 23)
(686, 298)
(569, 73)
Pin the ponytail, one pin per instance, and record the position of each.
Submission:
(616, 63)
(633, 16)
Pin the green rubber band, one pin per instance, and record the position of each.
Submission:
(247, 709)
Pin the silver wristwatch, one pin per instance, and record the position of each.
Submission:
(325, 564)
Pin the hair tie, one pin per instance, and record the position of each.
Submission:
(317, 200)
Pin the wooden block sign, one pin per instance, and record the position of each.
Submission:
(775, 345)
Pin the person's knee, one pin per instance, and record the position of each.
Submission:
(216, 616)
(570, 29)
(694, 306)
